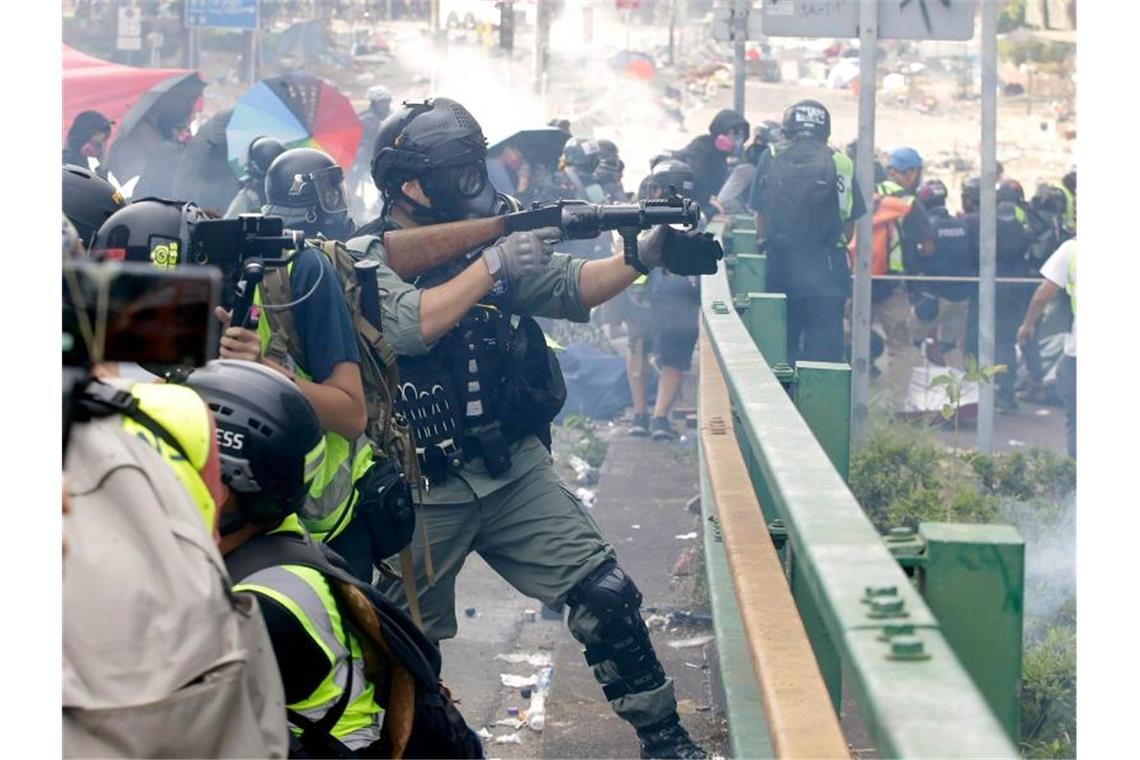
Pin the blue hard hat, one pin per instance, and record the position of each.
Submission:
(904, 159)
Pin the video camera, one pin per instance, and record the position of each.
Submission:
(228, 242)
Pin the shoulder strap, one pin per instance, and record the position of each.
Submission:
(102, 400)
(284, 342)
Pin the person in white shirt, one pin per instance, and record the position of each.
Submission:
(1060, 273)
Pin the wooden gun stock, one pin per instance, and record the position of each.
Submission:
(416, 250)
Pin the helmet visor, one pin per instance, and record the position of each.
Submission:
(329, 184)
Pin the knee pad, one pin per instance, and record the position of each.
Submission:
(611, 596)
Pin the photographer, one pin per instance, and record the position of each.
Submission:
(326, 367)
(159, 659)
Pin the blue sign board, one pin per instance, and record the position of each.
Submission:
(226, 14)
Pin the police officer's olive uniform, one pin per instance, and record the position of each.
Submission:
(525, 523)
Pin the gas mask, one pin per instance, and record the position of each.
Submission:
(459, 192)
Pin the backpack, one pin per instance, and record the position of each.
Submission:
(385, 502)
(800, 196)
(420, 718)
(888, 213)
(160, 658)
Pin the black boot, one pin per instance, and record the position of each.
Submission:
(668, 738)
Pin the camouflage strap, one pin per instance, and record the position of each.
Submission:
(284, 347)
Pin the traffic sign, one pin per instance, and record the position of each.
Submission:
(225, 14)
(130, 22)
(726, 22)
(897, 19)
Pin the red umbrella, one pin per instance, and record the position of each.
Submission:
(92, 84)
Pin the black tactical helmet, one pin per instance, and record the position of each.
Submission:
(1011, 190)
(270, 443)
(808, 117)
(971, 193)
(262, 151)
(150, 230)
(671, 173)
(582, 153)
(88, 200)
(1051, 199)
(933, 193)
(439, 143)
(609, 158)
(1070, 180)
(305, 187)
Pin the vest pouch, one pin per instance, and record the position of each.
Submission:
(494, 449)
(385, 505)
(534, 391)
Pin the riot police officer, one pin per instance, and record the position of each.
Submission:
(251, 197)
(480, 393)
(306, 188)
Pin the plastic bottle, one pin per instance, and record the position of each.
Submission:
(536, 715)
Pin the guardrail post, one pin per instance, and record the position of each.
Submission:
(748, 276)
(766, 319)
(974, 582)
(826, 655)
(823, 397)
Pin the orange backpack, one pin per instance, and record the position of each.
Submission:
(889, 209)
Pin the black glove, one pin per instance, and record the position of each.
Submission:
(685, 253)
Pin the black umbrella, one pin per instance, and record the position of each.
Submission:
(203, 174)
(138, 132)
(537, 146)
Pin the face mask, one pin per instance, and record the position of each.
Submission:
(725, 143)
(92, 150)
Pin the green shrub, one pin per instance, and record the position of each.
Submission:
(1048, 695)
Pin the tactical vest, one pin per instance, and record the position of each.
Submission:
(332, 496)
(306, 594)
(1070, 215)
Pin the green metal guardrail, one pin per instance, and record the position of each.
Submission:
(866, 620)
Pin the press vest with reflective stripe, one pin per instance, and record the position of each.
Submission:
(182, 414)
(306, 594)
(332, 497)
(895, 252)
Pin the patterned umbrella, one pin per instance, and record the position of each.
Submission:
(301, 111)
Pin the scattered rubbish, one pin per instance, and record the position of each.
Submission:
(704, 708)
(484, 734)
(1014, 442)
(513, 711)
(692, 665)
(696, 641)
(586, 474)
(536, 714)
(535, 660)
(656, 622)
(508, 739)
(469, 612)
(514, 723)
(525, 693)
(694, 505)
(511, 681)
(686, 536)
(587, 497)
(1043, 412)
(635, 526)
(530, 615)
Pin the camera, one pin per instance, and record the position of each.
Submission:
(228, 242)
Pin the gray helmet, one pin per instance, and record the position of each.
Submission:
(667, 174)
(583, 153)
(808, 117)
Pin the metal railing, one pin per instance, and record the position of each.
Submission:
(867, 623)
